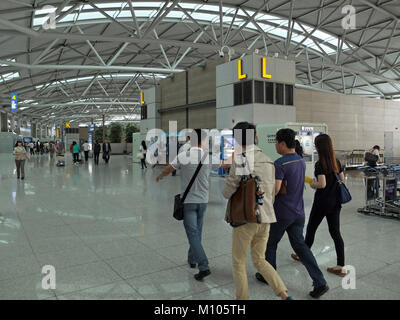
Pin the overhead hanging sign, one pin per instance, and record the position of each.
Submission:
(68, 124)
(142, 97)
(14, 102)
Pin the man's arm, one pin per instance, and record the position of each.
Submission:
(165, 172)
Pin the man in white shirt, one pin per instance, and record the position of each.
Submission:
(86, 150)
(195, 204)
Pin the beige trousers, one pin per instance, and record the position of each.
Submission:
(255, 236)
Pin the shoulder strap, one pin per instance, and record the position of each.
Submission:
(194, 177)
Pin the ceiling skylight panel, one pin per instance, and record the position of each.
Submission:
(110, 5)
(203, 16)
(309, 43)
(321, 35)
(297, 38)
(40, 12)
(279, 32)
(175, 15)
(211, 8)
(68, 18)
(39, 21)
(6, 65)
(90, 16)
(251, 25)
(8, 76)
(143, 13)
(186, 5)
(327, 49)
(125, 14)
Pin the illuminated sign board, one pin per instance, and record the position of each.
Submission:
(68, 124)
(307, 128)
(14, 102)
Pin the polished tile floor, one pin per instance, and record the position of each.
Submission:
(109, 233)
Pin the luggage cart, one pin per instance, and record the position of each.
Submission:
(60, 160)
(385, 203)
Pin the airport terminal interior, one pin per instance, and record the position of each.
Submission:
(100, 78)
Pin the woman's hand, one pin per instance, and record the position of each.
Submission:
(313, 184)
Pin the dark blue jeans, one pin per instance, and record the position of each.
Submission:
(294, 229)
(193, 222)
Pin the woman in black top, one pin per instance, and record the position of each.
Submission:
(298, 148)
(326, 199)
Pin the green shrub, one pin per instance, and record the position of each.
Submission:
(129, 129)
(115, 132)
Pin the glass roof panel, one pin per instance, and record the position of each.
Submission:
(199, 14)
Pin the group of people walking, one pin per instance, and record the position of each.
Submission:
(281, 184)
(22, 152)
(75, 149)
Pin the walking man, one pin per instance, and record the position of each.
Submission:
(96, 152)
(289, 210)
(86, 150)
(195, 204)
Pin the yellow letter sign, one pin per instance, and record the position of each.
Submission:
(264, 69)
(240, 75)
(141, 97)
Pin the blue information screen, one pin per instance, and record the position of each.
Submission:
(14, 101)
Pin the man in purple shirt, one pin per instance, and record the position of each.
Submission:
(289, 210)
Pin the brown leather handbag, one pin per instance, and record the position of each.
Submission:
(243, 204)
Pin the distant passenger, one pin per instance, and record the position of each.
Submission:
(106, 151)
(51, 149)
(58, 148)
(38, 147)
(299, 148)
(289, 210)
(86, 150)
(96, 152)
(75, 152)
(195, 204)
(143, 151)
(253, 235)
(32, 148)
(20, 156)
(376, 152)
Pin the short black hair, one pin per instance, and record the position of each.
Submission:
(288, 136)
(197, 136)
(244, 126)
(376, 147)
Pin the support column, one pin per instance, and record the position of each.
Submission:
(104, 128)
(3, 122)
